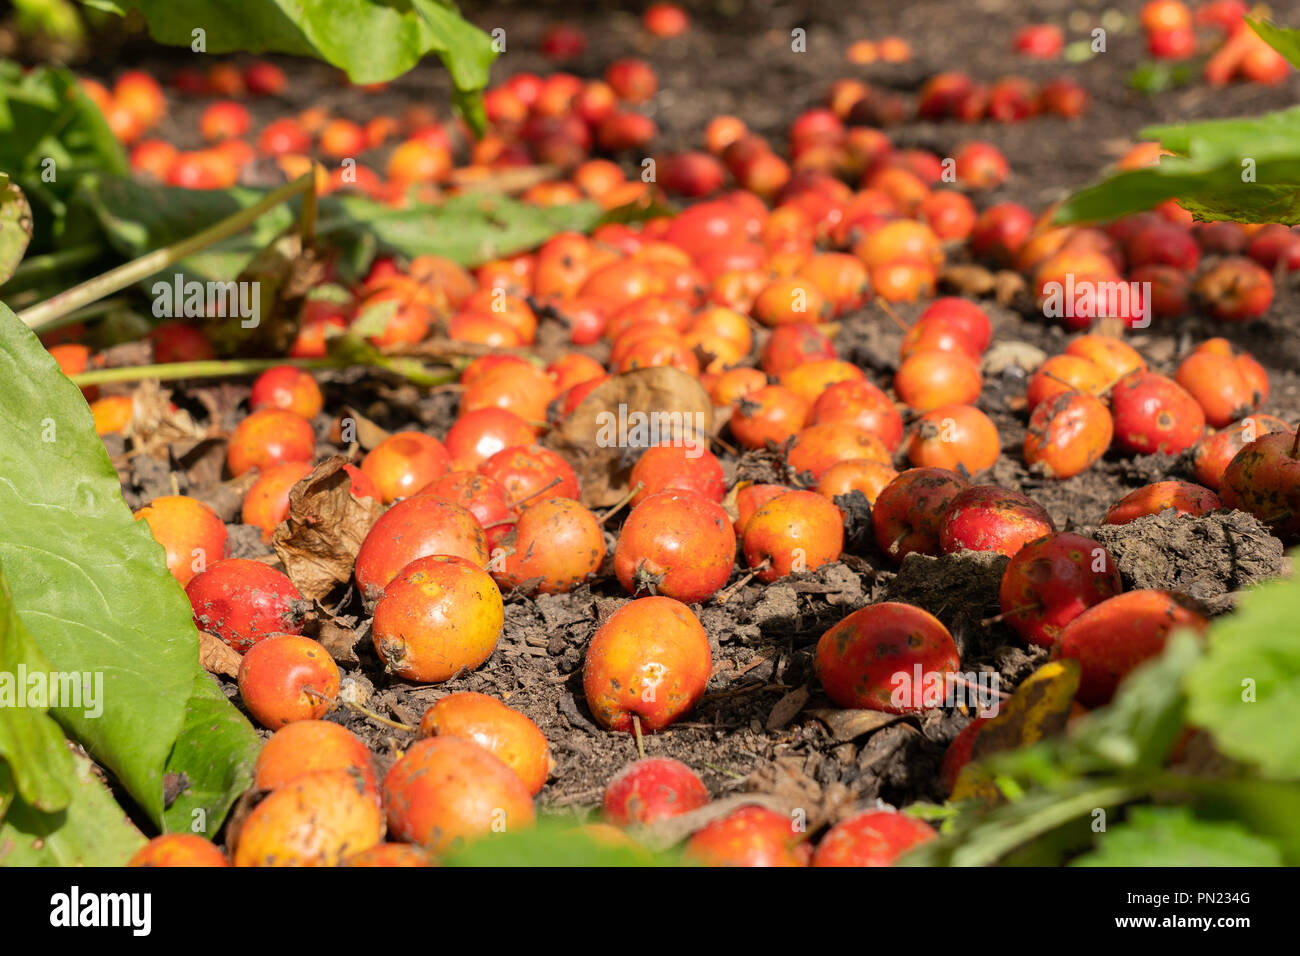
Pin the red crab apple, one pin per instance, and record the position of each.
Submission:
(191, 533)
(1155, 414)
(750, 836)
(287, 678)
(446, 791)
(1213, 453)
(1181, 496)
(649, 660)
(871, 838)
(1067, 434)
(555, 545)
(653, 789)
(1051, 581)
(1112, 638)
(890, 656)
(1236, 289)
(503, 731)
(909, 510)
(243, 601)
(989, 518)
(794, 531)
(413, 528)
(1264, 479)
(678, 544)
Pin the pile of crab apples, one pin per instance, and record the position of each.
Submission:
(743, 294)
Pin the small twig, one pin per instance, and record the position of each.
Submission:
(632, 493)
(640, 741)
(727, 593)
(546, 487)
(889, 311)
(998, 618)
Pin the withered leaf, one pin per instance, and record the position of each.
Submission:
(318, 542)
(787, 708)
(216, 656)
(624, 415)
(967, 279)
(848, 724)
(366, 433)
(156, 422)
(340, 641)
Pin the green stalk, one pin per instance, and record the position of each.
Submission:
(220, 368)
(42, 315)
(32, 270)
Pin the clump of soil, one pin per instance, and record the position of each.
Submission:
(1208, 558)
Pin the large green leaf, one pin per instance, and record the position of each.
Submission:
(372, 40)
(1243, 169)
(91, 830)
(33, 750)
(215, 751)
(1286, 41)
(1173, 836)
(1246, 690)
(91, 586)
(468, 229)
(552, 844)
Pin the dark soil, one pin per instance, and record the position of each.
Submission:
(756, 729)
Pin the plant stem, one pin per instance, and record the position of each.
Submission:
(41, 315)
(212, 368)
(32, 270)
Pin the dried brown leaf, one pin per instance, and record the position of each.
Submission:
(606, 432)
(849, 724)
(216, 656)
(318, 542)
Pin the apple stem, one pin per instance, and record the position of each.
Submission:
(889, 311)
(363, 711)
(546, 487)
(1295, 445)
(56, 306)
(725, 446)
(632, 493)
(636, 730)
(963, 682)
(726, 594)
(997, 618)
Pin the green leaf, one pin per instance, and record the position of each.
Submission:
(1246, 690)
(15, 228)
(1157, 76)
(554, 844)
(138, 218)
(1283, 39)
(51, 134)
(91, 585)
(1142, 723)
(91, 830)
(467, 229)
(1174, 836)
(33, 750)
(984, 838)
(215, 752)
(1245, 169)
(371, 40)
